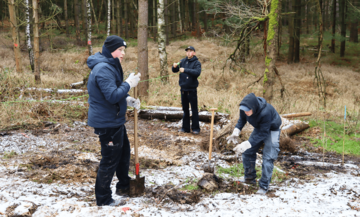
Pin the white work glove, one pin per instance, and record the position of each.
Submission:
(133, 79)
(234, 136)
(239, 149)
(133, 102)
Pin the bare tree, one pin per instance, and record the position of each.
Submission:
(77, 23)
(142, 48)
(96, 22)
(89, 27)
(28, 37)
(333, 27)
(179, 12)
(36, 42)
(15, 35)
(66, 18)
(108, 17)
(162, 41)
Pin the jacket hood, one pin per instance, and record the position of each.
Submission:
(253, 102)
(104, 57)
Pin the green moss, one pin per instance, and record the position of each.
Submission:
(265, 75)
(267, 61)
(261, 19)
(272, 21)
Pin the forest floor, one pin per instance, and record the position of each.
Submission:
(51, 171)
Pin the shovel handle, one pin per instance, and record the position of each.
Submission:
(136, 133)
(211, 130)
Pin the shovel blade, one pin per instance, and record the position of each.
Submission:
(137, 186)
(208, 168)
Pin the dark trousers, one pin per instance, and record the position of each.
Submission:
(186, 98)
(115, 152)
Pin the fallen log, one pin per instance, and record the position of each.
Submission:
(294, 115)
(292, 129)
(77, 84)
(60, 91)
(176, 114)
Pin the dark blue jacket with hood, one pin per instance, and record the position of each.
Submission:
(107, 91)
(264, 118)
(192, 70)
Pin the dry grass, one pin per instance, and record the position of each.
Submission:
(223, 90)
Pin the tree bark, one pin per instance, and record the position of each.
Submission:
(126, 18)
(162, 40)
(89, 27)
(187, 15)
(270, 59)
(15, 35)
(66, 19)
(28, 35)
(297, 31)
(36, 42)
(173, 19)
(166, 21)
(354, 36)
(291, 33)
(108, 18)
(118, 17)
(143, 48)
(197, 20)
(77, 24)
(333, 27)
(84, 15)
(179, 13)
(307, 18)
(154, 20)
(343, 27)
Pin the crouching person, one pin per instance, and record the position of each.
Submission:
(266, 122)
(108, 100)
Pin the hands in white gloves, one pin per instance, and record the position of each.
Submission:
(234, 136)
(239, 149)
(133, 102)
(133, 79)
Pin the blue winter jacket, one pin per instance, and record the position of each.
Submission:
(107, 91)
(264, 118)
(192, 70)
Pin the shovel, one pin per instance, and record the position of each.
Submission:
(137, 185)
(207, 167)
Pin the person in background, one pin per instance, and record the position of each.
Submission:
(190, 70)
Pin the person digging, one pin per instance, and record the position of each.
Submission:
(266, 122)
(190, 70)
(108, 101)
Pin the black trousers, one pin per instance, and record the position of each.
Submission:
(186, 98)
(115, 152)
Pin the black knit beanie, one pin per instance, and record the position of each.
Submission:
(113, 42)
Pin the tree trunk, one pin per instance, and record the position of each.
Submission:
(84, 15)
(154, 20)
(307, 18)
(333, 27)
(270, 59)
(89, 27)
(96, 22)
(205, 20)
(297, 31)
(118, 21)
(101, 6)
(66, 19)
(15, 35)
(179, 13)
(354, 36)
(197, 20)
(343, 27)
(126, 18)
(187, 15)
(143, 48)
(291, 33)
(194, 26)
(77, 24)
(166, 21)
(28, 35)
(36, 42)
(162, 40)
(108, 18)
(173, 19)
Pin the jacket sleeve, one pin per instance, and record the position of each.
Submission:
(107, 84)
(196, 71)
(262, 132)
(175, 69)
(242, 120)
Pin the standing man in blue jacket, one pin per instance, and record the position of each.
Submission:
(190, 70)
(108, 101)
(266, 122)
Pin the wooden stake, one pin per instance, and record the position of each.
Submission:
(344, 138)
(211, 131)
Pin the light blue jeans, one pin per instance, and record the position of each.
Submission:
(270, 154)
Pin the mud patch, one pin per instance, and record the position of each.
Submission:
(169, 192)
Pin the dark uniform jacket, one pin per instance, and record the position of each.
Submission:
(192, 70)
